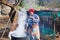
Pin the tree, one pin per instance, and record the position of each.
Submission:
(41, 3)
(58, 5)
(51, 3)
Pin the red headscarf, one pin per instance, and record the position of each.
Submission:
(31, 10)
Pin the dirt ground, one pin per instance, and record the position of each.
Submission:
(8, 39)
(4, 39)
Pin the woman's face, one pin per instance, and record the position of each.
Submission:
(31, 13)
